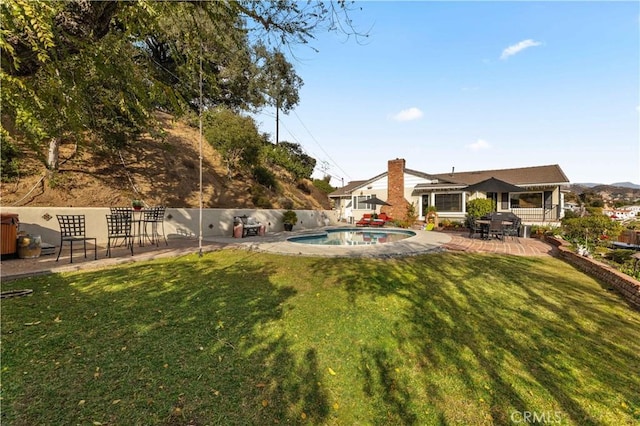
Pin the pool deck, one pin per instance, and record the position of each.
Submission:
(423, 242)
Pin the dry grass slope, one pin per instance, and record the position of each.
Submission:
(161, 170)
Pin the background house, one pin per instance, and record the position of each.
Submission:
(540, 199)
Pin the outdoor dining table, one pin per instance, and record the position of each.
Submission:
(137, 216)
(488, 222)
(485, 223)
(138, 219)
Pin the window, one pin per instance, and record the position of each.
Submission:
(526, 200)
(448, 202)
(504, 205)
(361, 202)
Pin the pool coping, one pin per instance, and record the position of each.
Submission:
(421, 242)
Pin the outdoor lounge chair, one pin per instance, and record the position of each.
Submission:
(378, 223)
(384, 217)
(365, 221)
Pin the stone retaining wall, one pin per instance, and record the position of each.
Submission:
(627, 286)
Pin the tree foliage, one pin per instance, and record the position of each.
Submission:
(592, 229)
(235, 136)
(290, 156)
(279, 80)
(324, 185)
(8, 158)
(69, 67)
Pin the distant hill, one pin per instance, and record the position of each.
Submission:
(626, 185)
(617, 184)
(609, 193)
(586, 184)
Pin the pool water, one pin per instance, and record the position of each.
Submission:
(353, 237)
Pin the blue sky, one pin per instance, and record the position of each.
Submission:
(475, 86)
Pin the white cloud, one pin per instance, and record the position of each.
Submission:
(479, 145)
(518, 47)
(412, 113)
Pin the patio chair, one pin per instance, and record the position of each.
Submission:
(128, 211)
(154, 218)
(496, 228)
(476, 228)
(119, 226)
(512, 230)
(72, 229)
(125, 211)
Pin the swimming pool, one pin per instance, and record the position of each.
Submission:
(353, 237)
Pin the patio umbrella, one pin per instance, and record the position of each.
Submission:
(377, 201)
(493, 185)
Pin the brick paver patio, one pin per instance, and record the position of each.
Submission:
(515, 246)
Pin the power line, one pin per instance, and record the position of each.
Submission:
(305, 149)
(320, 146)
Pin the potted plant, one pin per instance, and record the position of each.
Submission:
(137, 204)
(289, 218)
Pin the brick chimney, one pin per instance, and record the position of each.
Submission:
(395, 190)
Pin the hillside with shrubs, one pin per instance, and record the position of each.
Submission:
(163, 168)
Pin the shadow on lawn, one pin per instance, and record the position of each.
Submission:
(173, 342)
(543, 343)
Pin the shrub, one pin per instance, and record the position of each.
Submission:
(265, 177)
(289, 156)
(236, 137)
(262, 201)
(259, 198)
(569, 214)
(290, 217)
(480, 207)
(620, 256)
(590, 230)
(286, 203)
(323, 185)
(410, 217)
(9, 167)
(302, 186)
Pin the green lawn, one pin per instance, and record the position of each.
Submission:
(243, 338)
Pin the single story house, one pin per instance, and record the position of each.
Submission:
(540, 200)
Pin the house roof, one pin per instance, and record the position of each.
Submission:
(523, 176)
(346, 190)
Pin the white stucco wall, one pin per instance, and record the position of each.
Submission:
(178, 222)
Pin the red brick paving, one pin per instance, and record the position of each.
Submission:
(514, 246)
